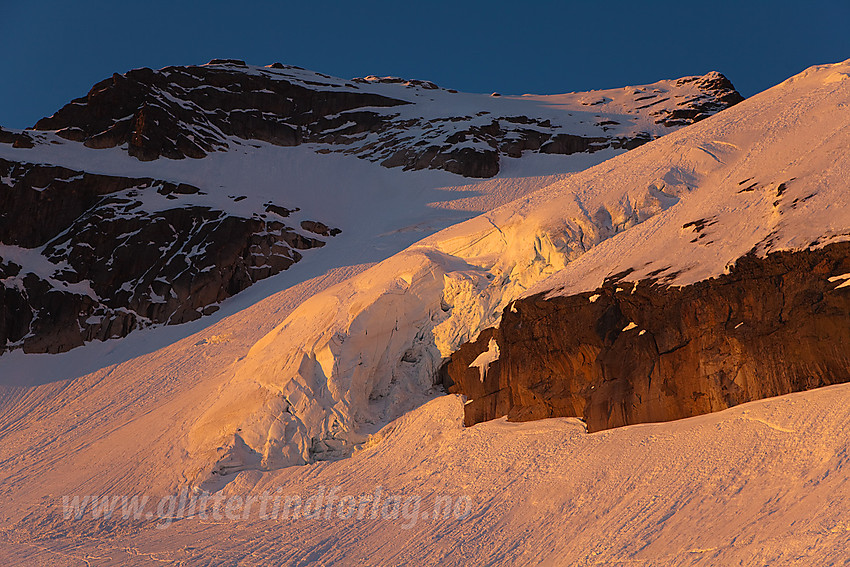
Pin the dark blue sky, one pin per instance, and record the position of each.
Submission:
(53, 50)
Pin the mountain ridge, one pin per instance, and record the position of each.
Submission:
(179, 112)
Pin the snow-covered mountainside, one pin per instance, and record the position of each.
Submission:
(332, 356)
(107, 228)
(768, 175)
(735, 293)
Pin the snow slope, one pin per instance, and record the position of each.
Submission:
(119, 413)
(768, 174)
(765, 483)
(379, 210)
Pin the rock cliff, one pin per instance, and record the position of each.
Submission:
(635, 352)
(90, 257)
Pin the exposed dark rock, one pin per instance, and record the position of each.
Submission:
(72, 133)
(571, 144)
(277, 209)
(395, 81)
(17, 139)
(44, 200)
(117, 266)
(234, 62)
(319, 228)
(771, 326)
(181, 112)
(718, 93)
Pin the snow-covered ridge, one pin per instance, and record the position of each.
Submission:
(759, 176)
(179, 112)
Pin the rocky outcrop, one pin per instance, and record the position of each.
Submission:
(180, 112)
(640, 352)
(91, 257)
(16, 139)
(716, 94)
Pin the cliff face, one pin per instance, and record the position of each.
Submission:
(87, 257)
(180, 112)
(638, 352)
